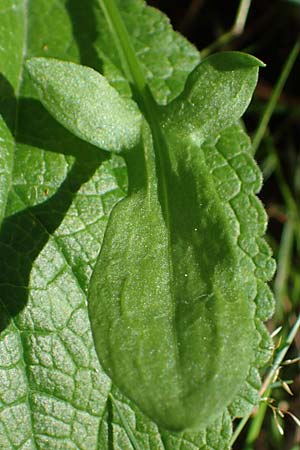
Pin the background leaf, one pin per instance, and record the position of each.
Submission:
(53, 392)
(165, 56)
(11, 60)
(237, 180)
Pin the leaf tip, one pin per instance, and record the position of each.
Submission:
(233, 60)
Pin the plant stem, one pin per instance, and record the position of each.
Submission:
(141, 91)
(292, 207)
(273, 371)
(280, 356)
(256, 424)
(260, 132)
(283, 267)
(129, 61)
(123, 44)
(241, 17)
(236, 30)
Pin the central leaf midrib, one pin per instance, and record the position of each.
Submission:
(144, 99)
(150, 110)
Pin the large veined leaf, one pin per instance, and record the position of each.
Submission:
(53, 392)
(47, 361)
(166, 58)
(11, 57)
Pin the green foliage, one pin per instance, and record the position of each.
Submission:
(84, 102)
(189, 228)
(216, 95)
(165, 57)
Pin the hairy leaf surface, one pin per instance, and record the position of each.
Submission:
(166, 297)
(84, 102)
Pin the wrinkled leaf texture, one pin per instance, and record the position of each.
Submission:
(55, 202)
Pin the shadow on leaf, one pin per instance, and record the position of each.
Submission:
(84, 26)
(24, 234)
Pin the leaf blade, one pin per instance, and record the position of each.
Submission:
(11, 62)
(216, 95)
(81, 259)
(83, 101)
(166, 58)
(37, 411)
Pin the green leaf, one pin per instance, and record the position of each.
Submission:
(216, 95)
(127, 335)
(57, 209)
(181, 356)
(53, 392)
(166, 57)
(237, 179)
(84, 102)
(167, 297)
(11, 60)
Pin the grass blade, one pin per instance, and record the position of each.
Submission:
(260, 132)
